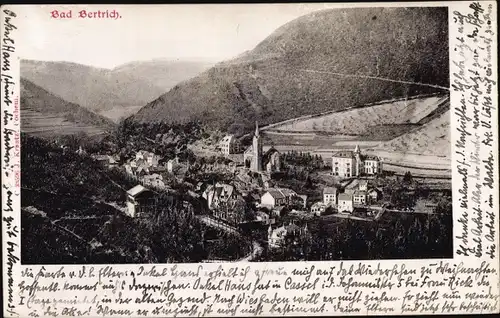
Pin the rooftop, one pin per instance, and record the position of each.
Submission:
(359, 192)
(371, 157)
(226, 139)
(330, 190)
(343, 154)
(275, 193)
(345, 197)
(353, 184)
(137, 190)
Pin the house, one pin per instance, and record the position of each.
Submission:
(225, 202)
(263, 218)
(349, 164)
(231, 210)
(359, 197)
(277, 197)
(172, 164)
(113, 161)
(158, 169)
(229, 145)
(219, 193)
(278, 211)
(363, 185)
(344, 164)
(150, 158)
(330, 195)
(141, 171)
(154, 180)
(140, 201)
(318, 208)
(276, 237)
(302, 198)
(374, 194)
(372, 165)
(352, 186)
(107, 160)
(345, 204)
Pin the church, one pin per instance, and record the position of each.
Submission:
(257, 160)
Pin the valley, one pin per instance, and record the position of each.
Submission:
(113, 92)
(331, 132)
(44, 114)
(118, 113)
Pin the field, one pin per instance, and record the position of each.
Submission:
(364, 120)
(431, 139)
(44, 125)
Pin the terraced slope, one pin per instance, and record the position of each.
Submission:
(43, 114)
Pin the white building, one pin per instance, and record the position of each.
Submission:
(140, 201)
(349, 164)
(277, 197)
(372, 165)
(345, 204)
(229, 145)
(359, 197)
(330, 196)
(344, 164)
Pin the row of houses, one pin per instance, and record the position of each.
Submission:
(146, 163)
(346, 164)
(141, 201)
(355, 194)
(221, 197)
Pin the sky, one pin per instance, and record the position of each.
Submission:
(186, 32)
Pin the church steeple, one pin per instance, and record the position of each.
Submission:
(356, 150)
(256, 164)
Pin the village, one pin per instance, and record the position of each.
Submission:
(251, 191)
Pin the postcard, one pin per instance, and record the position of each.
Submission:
(214, 160)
